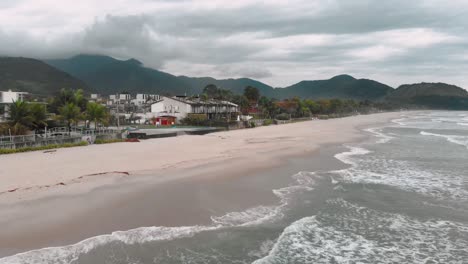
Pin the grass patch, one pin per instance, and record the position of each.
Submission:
(108, 141)
(47, 147)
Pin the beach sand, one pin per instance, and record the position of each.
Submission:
(59, 198)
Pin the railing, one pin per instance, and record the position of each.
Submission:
(58, 135)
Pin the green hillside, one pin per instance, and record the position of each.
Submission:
(342, 86)
(36, 77)
(430, 95)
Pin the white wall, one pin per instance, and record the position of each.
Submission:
(169, 106)
(10, 97)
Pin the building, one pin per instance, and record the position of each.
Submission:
(7, 98)
(180, 107)
(145, 99)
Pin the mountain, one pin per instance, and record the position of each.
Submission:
(108, 75)
(235, 85)
(341, 86)
(430, 95)
(36, 77)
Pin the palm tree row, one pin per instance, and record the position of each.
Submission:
(70, 108)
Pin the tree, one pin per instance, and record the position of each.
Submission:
(252, 94)
(211, 91)
(68, 96)
(39, 115)
(70, 113)
(96, 113)
(20, 117)
(243, 103)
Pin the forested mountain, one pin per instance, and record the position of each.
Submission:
(106, 75)
(430, 95)
(109, 75)
(341, 86)
(35, 76)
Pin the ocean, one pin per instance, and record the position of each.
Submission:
(402, 198)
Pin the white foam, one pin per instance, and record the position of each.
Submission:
(346, 233)
(383, 138)
(399, 121)
(68, 254)
(401, 174)
(262, 214)
(459, 140)
(346, 157)
(249, 217)
(462, 124)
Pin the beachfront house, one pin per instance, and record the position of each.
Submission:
(180, 107)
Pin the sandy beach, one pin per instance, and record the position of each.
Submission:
(62, 197)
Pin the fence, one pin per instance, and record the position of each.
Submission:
(57, 135)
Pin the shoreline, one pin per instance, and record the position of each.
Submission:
(226, 173)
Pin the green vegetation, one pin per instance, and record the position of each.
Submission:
(108, 141)
(47, 147)
(267, 122)
(34, 76)
(24, 117)
(67, 108)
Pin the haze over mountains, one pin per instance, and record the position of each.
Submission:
(107, 75)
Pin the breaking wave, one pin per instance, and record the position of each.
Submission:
(347, 233)
(254, 216)
(459, 140)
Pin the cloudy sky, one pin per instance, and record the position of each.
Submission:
(279, 42)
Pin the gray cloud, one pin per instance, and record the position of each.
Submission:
(280, 43)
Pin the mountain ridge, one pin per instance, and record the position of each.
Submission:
(36, 77)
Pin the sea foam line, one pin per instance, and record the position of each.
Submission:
(459, 140)
(383, 138)
(249, 217)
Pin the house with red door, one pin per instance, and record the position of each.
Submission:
(170, 110)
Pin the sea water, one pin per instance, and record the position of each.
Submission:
(402, 199)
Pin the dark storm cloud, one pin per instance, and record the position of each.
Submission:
(275, 41)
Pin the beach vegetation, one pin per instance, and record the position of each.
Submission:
(108, 141)
(46, 147)
(97, 113)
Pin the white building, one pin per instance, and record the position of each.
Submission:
(7, 98)
(181, 107)
(142, 99)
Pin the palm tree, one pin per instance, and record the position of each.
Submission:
(39, 115)
(96, 112)
(70, 113)
(20, 117)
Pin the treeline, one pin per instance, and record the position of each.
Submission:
(67, 109)
(251, 102)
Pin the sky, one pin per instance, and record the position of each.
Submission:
(279, 42)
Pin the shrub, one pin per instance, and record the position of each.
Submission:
(107, 141)
(47, 147)
(282, 117)
(267, 122)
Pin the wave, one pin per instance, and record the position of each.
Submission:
(345, 157)
(459, 140)
(254, 216)
(348, 233)
(383, 138)
(372, 169)
(462, 124)
(399, 121)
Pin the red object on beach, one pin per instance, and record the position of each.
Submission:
(132, 140)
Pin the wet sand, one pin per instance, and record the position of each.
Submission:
(187, 192)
